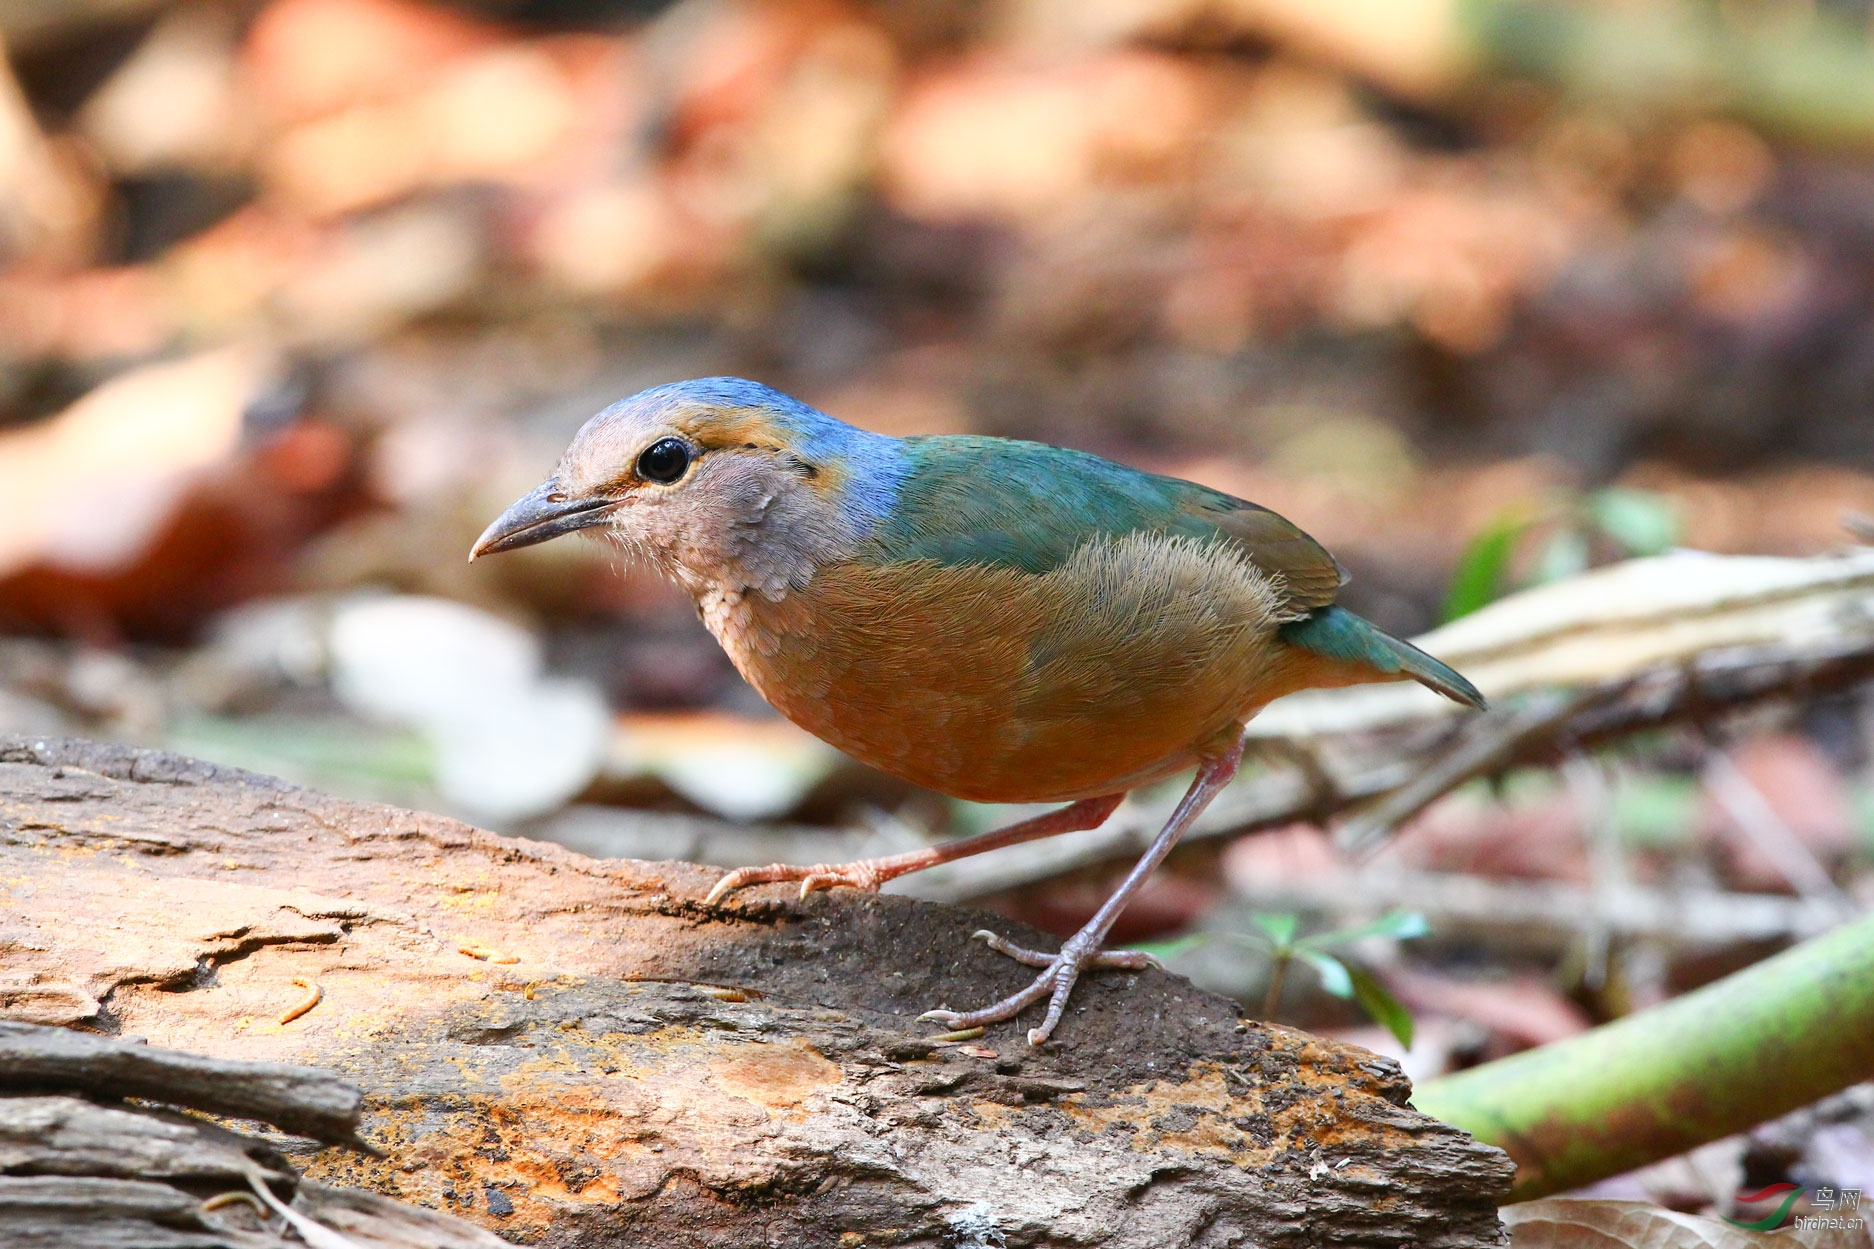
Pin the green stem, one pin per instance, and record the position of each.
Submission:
(1753, 1046)
(1278, 972)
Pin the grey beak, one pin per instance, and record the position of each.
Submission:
(542, 513)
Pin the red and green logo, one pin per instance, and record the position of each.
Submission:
(1788, 1192)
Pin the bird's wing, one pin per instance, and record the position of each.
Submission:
(1310, 577)
(1002, 503)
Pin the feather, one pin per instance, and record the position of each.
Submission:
(1111, 669)
(993, 619)
(1009, 504)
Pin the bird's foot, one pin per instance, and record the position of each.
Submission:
(866, 874)
(1060, 972)
(869, 874)
(1135, 960)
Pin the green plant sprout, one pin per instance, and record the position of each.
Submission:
(1278, 936)
(1622, 522)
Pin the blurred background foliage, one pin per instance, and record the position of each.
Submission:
(297, 294)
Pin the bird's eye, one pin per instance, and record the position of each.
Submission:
(664, 461)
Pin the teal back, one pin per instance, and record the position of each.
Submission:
(1009, 504)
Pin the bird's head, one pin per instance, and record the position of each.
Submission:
(714, 479)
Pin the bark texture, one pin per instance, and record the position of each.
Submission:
(77, 1175)
(552, 1046)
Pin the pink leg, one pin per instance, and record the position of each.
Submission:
(1082, 950)
(869, 874)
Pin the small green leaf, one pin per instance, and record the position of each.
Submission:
(1563, 555)
(1399, 925)
(1641, 522)
(1483, 569)
(1281, 928)
(1335, 977)
(1380, 1005)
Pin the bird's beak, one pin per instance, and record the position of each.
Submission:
(544, 512)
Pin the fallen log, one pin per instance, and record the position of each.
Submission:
(309, 1103)
(76, 1175)
(576, 1052)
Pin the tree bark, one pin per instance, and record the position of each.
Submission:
(77, 1175)
(576, 1052)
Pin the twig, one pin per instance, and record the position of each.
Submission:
(1607, 865)
(1325, 795)
(1495, 742)
(1764, 828)
(1540, 916)
(1645, 644)
(315, 1234)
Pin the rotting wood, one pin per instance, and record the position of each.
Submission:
(60, 1209)
(63, 1135)
(75, 1174)
(298, 1099)
(623, 1102)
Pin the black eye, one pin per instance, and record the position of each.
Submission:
(664, 461)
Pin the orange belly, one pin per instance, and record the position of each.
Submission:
(1123, 666)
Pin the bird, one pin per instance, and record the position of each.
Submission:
(997, 620)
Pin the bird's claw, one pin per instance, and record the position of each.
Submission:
(1133, 960)
(859, 875)
(852, 875)
(1055, 982)
(730, 882)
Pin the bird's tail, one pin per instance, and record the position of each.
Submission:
(1337, 634)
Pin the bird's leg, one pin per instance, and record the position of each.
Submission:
(1082, 950)
(869, 874)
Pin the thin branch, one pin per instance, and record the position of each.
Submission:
(1494, 744)
(1539, 918)
(1586, 778)
(1753, 815)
